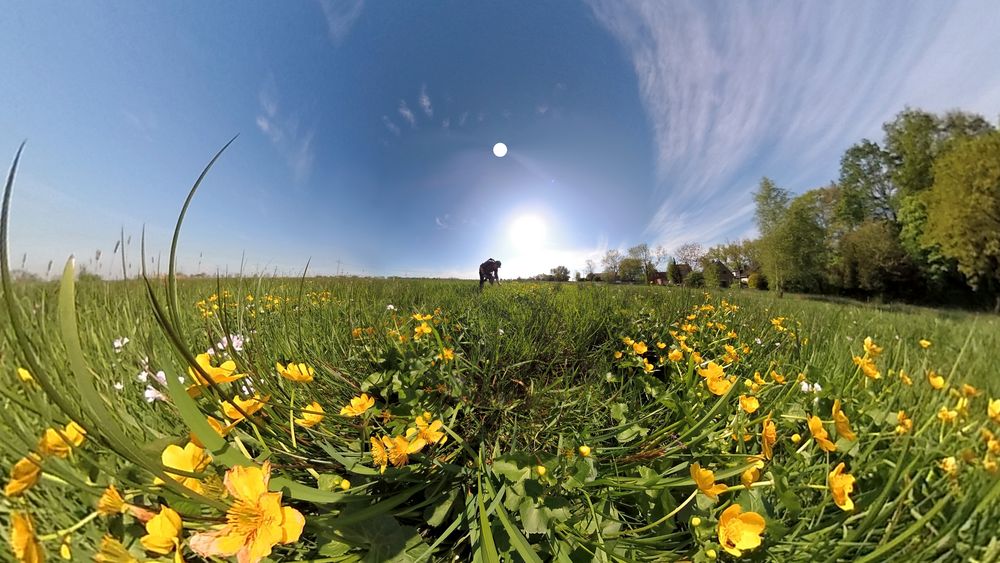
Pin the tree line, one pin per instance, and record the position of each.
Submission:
(914, 216)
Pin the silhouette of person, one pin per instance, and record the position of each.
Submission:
(488, 271)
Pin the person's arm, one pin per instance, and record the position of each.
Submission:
(496, 275)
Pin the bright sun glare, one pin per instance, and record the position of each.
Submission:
(527, 231)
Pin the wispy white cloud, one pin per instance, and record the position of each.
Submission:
(407, 114)
(392, 127)
(446, 123)
(734, 91)
(340, 16)
(292, 141)
(425, 102)
(443, 222)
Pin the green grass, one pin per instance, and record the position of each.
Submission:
(534, 376)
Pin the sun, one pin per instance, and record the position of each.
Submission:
(528, 231)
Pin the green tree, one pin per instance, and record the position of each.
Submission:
(560, 273)
(911, 141)
(611, 261)
(867, 189)
(631, 269)
(793, 252)
(772, 202)
(674, 273)
(874, 261)
(963, 210)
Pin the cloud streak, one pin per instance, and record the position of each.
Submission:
(292, 141)
(735, 91)
(407, 114)
(340, 16)
(425, 102)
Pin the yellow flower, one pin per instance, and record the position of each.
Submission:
(584, 451)
(111, 502)
(24, 543)
(949, 465)
(112, 551)
(639, 347)
(25, 375)
(868, 367)
(777, 377)
(627, 341)
(925, 344)
(618, 355)
(871, 350)
(661, 345)
(820, 435)
(64, 548)
(430, 432)
(993, 410)
(224, 373)
(990, 465)
(905, 423)
(163, 532)
(356, 332)
(23, 475)
(969, 391)
(256, 521)
(540, 470)
(59, 443)
(421, 330)
(695, 356)
(705, 480)
(936, 381)
(447, 354)
(301, 373)
(646, 366)
(905, 378)
(749, 403)
(380, 456)
(190, 459)
(946, 416)
(249, 406)
(842, 423)
(358, 405)
(399, 448)
(752, 473)
(675, 355)
(715, 379)
(768, 437)
(419, 317)
(796, 438)
(739, 531)
(842, 485)
(312, 415)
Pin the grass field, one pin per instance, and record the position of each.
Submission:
(567, 432)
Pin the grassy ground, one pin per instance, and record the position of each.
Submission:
(520, 376)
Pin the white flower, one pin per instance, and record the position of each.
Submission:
(180, 378)
(118, 386)
(816, 388)
(805, 387)
(390, 307)
(501, 332)
(757, 341)
(160, 377)
(143, 376)
(152, 394)
(120, 343)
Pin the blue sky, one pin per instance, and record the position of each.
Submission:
(366, 128)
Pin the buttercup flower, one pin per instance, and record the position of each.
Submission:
(358, 405)
(223, 373)
(190, 458)
(868, 367)
(256, 520)
(23, 542)
(23, 475)
(842, 485)
(993, 410)
(584, 450)
(111, 502)
(871, 350)
(949, 465)
(430, 432)
(946, 416)
(777, 377)
(312, 415)
(639, 347)
(705, 480)
(249, 406)
(905, 423)
(936, 381)
(842, 423)
(301, 373)
(399, 449)
(163, 532)
(646, 366)
(749, 403)
(58, 443)
(618, 354)
(820, 435)
(925, 344)
(421, 330)
(419, 317)
(25, 375)
(905, 378)
(740, 531)
(675, 355)
(752, 473)
(768, 437)
(380, 455)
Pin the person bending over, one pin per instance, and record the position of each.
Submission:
(488, 270)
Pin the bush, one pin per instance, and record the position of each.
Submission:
(757, 280)
(695, 279)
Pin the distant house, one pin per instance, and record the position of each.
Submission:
(660, 278)
(726, 277)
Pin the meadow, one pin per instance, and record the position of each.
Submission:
(422, 420)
